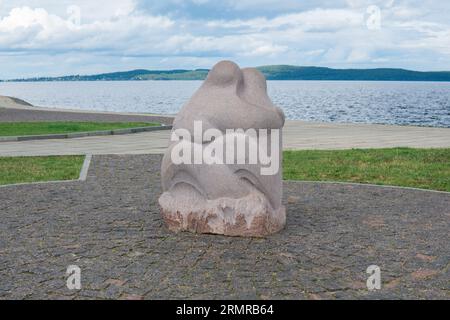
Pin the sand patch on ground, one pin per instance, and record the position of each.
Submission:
(11, 102)
(17, 110)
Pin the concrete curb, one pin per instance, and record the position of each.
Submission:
(84, 134)
(82, 177)
(368, 185)
(85, 167)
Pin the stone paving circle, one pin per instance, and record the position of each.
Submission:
(110, 226)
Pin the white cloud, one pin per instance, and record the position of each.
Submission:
(314, 20)
(412, 34)
(90, 10)
(358, 55)
(36, 29)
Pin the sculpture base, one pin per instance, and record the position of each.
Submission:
(249, 216)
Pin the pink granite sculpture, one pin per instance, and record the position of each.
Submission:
(209, 185)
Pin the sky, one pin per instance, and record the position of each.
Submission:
(64, 37)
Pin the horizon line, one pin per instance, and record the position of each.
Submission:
(207, 69)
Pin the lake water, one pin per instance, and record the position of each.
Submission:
(405, 103)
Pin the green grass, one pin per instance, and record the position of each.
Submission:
(34, 169)
(406, 167)
(37, 128)
(418, 168)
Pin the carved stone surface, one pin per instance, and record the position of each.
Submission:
(233, 199)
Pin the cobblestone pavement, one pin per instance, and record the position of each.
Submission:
(111, 228)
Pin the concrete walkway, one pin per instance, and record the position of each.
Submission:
(297, 135)
(310, 135)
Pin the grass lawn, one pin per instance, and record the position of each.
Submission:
(37, 128)
(406, 167)
(33, 169)
(419, 168)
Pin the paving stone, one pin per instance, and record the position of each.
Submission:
(110, 226)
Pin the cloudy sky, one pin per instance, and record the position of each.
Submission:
(60, 37)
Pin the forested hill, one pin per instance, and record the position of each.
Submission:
(283, 72)
(275, 72)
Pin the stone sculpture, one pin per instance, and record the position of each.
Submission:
(237, 196)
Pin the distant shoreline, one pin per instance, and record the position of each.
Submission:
(324, 80)
(275, 72)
